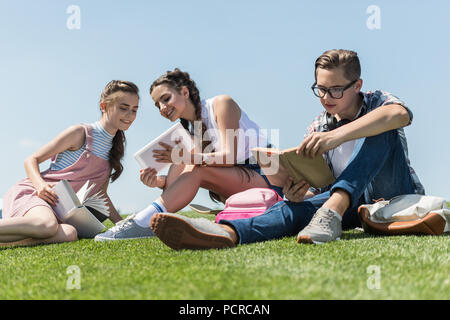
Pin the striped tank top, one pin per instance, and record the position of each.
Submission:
(102, 143)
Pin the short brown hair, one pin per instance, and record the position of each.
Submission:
(338, 58)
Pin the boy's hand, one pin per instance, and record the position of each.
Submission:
(295, 192)
(150, 179)
(318, 143)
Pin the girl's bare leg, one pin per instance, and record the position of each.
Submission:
(65, 233)
(175, 171)
(225, 181)
(38, 223)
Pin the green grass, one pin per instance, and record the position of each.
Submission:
(411, 267)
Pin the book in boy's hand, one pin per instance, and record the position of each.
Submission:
(176, 133)
(71, 208)
(279, 165)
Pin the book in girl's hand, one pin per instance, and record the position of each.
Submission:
(279, 165)
(71, 208)
(176, 133)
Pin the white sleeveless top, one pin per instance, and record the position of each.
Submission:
(249, 133)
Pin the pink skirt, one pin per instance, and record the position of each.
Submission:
(22, 196)
(20, 199)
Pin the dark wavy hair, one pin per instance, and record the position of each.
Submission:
(178, 79)
(118, 148)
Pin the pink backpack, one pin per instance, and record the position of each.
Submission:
(248, 203)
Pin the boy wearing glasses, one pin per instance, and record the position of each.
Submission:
(361, 137)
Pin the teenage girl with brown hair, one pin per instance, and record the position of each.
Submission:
(80, 153)
(222, 165)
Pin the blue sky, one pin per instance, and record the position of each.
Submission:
(261, 53)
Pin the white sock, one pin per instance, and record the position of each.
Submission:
(143, 217)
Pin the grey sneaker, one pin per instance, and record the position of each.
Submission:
(125, 230)
(325, 226)
(180, 232)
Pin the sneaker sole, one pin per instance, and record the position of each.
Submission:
(100, 239)
(179, 234)
(308, 240)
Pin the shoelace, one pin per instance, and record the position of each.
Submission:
(122, 224)
(321, 220)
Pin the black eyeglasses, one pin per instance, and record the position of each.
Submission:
(334, 92)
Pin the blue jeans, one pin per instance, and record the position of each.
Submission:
(376, 169)
(257, 169)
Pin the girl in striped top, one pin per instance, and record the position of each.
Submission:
(226, 168)
(101, 147)
(80, 153)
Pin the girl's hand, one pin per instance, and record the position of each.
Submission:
(45, 192)
(150, 179)
(176, 154)
(164, 155)
(295, 192)
(318, 143)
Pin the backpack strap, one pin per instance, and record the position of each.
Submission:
(89, 139)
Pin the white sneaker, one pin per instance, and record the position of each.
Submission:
(325, 226)
(126, 229)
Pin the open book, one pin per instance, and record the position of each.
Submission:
(71, 208)
(279, 165)
(176, 133)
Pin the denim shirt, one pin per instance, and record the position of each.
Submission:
(371, 101)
